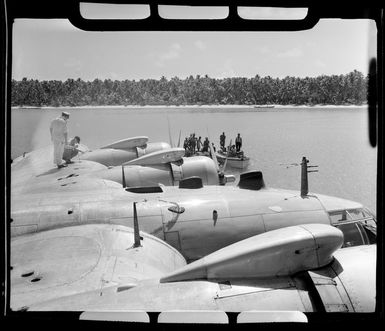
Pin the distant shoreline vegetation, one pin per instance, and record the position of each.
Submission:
(348, 89)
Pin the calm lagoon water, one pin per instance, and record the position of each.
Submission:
(335, 139)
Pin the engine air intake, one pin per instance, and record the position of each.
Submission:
(145, 189)
(191, 183)
(251, 180)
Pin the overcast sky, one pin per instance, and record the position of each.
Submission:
(55, 50)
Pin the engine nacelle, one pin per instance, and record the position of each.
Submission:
(168, 174)
(200, 166)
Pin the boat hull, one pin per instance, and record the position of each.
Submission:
(234, 162)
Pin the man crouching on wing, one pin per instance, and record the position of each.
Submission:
(71, 150)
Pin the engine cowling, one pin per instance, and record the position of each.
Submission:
(200, 166)
(169, 174)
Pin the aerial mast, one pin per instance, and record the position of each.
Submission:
(304, 176)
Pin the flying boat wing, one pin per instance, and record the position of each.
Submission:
(57, 263)
(271, 277)
(35, 173)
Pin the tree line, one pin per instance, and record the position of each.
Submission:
(350, 89)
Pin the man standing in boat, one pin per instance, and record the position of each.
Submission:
(193, 142)
(222, 140)
(199, 144)
(59, 137)
(238, 142)
(185, 144)
(206, 145)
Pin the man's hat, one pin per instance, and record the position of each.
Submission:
(64, 113)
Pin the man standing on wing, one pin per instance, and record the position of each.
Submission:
(59, 137)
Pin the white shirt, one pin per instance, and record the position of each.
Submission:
(58, 128)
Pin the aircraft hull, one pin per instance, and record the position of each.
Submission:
(55, 214)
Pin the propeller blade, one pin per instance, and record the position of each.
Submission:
(128, 143)
(123, 178)
(212, 154)
(225, 163)
(180, 132)
(159, 157)
(169, 132)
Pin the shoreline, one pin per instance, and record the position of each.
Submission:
(257, 107)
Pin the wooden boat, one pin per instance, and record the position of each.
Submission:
(239, 161)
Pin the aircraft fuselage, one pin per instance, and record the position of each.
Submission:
(195, 221)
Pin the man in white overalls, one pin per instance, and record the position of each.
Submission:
(59, 138)
(238, 143)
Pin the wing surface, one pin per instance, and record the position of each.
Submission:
(36, 173)
(234, 292)
(68, 261)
